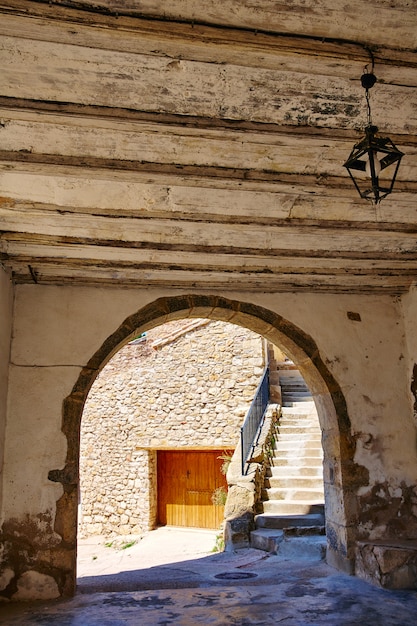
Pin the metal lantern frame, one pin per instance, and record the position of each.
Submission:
(373, 154)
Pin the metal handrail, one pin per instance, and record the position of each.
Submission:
(251, 427)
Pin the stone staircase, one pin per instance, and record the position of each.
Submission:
(292, 522)
(293, 387)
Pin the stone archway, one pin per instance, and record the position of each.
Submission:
(342, 477)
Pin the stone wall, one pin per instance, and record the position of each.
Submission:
(173, 390)
(245, 491)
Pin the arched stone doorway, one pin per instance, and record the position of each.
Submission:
(342, 477)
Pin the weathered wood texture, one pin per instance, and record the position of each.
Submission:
(186, 483)
(204, 148)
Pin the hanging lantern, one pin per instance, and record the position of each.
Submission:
(374, 161)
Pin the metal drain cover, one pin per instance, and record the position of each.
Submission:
(235, 575)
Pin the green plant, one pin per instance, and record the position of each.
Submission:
(128, 544)
(226, 457)
(219, 545)
(219, 496)
(109, 544)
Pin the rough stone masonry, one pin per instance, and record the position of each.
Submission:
(173, 390)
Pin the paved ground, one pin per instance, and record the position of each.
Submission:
(162, 581)
(160, 556)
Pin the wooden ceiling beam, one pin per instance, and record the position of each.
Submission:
(264, 28)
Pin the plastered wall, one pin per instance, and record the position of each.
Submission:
(363, 341)
(6, 309)
(410, 331)
(354, 351)
(57, 331)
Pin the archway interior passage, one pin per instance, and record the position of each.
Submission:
(296, 343)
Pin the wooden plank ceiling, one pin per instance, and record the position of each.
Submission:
(201, 144)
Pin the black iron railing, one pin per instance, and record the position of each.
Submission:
(251, 428)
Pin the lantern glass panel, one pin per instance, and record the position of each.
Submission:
(373, 165)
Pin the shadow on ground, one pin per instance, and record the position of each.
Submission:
(210, 590)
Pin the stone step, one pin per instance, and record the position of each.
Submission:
(301, 429)
(297, 418)
(293, 490)
(289, 507)
(291, 403)
(305, 408)
(268, 520)
(288, 464)
(292, 457)
(298, 415)
(281, 471)
(298, 451)
(300, 437)
(290, 481)
(305, 422)
(297, 455)
(306, 531)
(293, 396)
(293, 493)
(299, 426)
(294, 548)
(305, 411)
(309, 461)
(312, 548)
(290, 373)
(285, 436)
(288, 443)
(296, 393)
(266, 539)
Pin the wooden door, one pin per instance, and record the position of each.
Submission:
(186, 482)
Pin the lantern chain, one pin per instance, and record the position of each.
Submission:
(368, 104)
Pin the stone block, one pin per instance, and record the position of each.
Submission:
(33, 585)
(5, 577)
(237, 532)
(266, 539)
(303, 547)
(388, 564)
